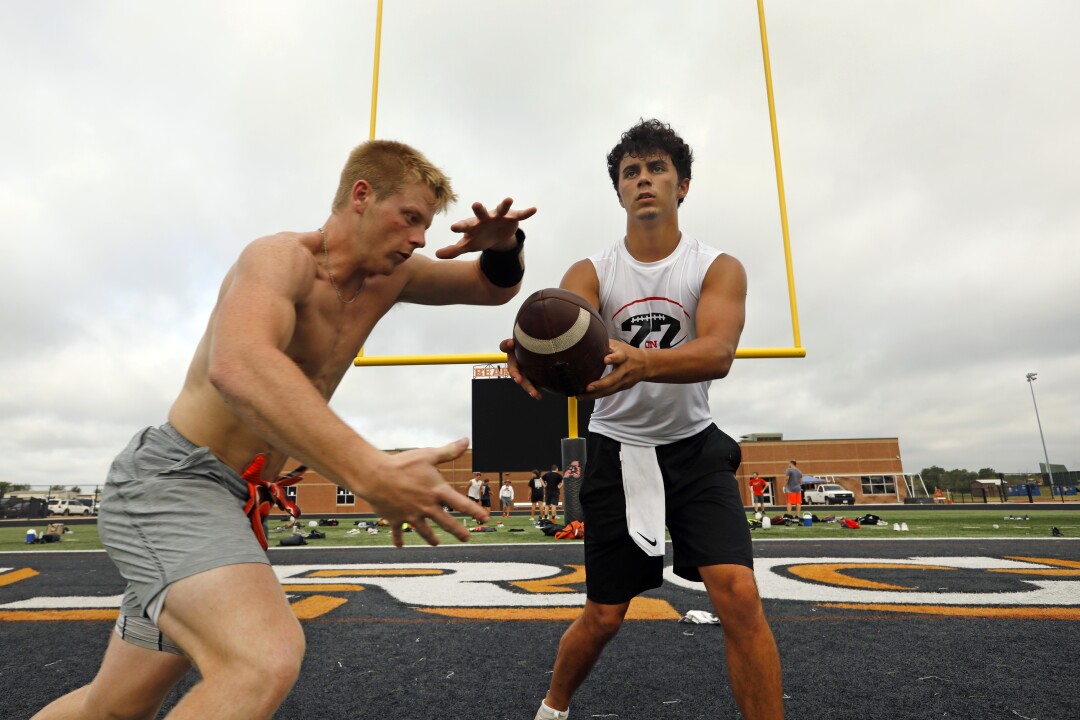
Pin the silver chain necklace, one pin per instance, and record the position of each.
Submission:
(330, 272)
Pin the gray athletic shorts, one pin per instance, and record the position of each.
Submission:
(170, 510)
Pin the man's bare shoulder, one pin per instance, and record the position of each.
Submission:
(581, 278)
(291, 248)
(296, 243)
(726, 267)
(285, 260)
(584, 266)
(581, 273)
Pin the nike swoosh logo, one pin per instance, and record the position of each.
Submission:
(648, 540)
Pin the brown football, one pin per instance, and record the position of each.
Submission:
(560, 341)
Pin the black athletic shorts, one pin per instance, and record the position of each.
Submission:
(704, 509)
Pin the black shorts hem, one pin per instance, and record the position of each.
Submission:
(620, 595)
(693, 572)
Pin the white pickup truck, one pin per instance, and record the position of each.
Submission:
(828, 494)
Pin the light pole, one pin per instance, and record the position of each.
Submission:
(1031, 377)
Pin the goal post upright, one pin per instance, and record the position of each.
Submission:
(795, 351)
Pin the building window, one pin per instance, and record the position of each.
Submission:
(290, 493)
(878, 485)
(344, 497)
(770, 483)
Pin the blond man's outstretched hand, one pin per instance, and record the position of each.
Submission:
(492, 230)
(410, 489)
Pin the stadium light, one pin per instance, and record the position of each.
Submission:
(1031, 377)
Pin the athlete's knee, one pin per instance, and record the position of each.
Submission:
(734, 595)
(729, 579)
(603, 621)
(263, 685)
(264, 672)
(278, 670)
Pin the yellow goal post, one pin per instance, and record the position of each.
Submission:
(795, 351)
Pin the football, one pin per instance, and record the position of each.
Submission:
(560, 341)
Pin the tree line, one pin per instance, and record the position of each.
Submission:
(6, 487)
(957, 478)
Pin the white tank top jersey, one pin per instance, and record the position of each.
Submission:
(653, 306)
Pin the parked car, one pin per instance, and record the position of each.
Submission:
(13, 507)
(90, 503)
(25, 508)
(68, 507)
(829, 494)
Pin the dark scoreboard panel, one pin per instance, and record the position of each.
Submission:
(511, 432)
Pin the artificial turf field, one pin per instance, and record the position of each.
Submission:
(978, 521)
(870, 623)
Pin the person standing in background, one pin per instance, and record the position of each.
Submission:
(552, 483)
(485, 494)
(536, 495)
(793, 488)
(757, 491)
(506, 497)
(475, 486)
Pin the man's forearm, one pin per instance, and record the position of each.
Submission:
(699, 360)
(278, 401)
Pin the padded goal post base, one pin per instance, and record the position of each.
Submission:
(573, 464)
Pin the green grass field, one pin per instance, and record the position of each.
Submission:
(921, 523)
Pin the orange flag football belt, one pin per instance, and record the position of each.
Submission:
(263, 492)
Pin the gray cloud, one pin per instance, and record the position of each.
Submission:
(929, 158)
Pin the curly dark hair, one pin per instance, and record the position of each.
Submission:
(645, 138)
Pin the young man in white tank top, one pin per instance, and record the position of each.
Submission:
(675, 310)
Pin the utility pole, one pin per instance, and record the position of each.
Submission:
(1031, 377)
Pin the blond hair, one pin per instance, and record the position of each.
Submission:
(389, 166)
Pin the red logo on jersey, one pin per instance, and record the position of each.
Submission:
(652, 322)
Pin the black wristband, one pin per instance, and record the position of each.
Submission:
(504, 268)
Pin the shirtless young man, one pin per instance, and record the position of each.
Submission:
(675, 309)
(291, 315)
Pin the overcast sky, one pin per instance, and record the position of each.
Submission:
(930, 154)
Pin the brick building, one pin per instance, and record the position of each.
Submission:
(869, 467)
